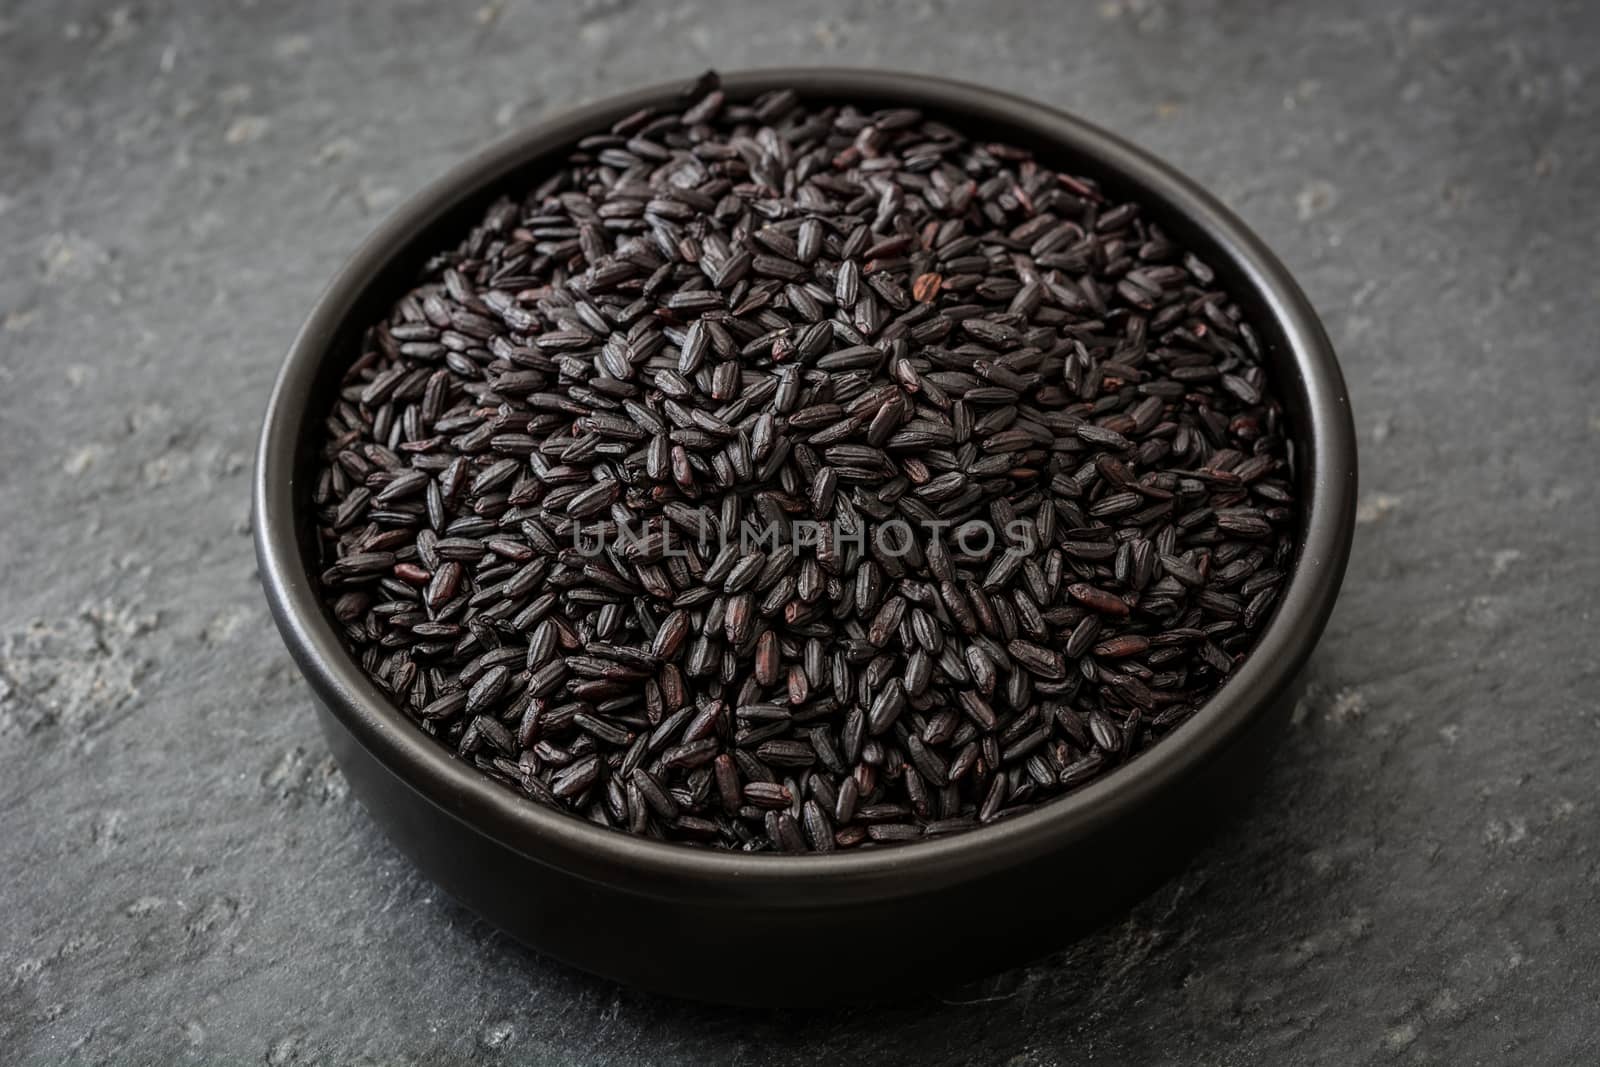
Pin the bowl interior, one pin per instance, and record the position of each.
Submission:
(1301, 367)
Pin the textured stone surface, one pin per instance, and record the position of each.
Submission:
(185, 877)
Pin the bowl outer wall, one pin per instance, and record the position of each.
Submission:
(1304, 369)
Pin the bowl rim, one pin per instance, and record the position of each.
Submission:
(815, 880)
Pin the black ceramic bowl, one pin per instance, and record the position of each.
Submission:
(695, 922)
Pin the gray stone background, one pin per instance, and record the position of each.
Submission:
(184, 877)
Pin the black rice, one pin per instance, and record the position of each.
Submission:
(1019, 484)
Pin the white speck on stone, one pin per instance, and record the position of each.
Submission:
(286, 772)
(1484, 611)
(1501, 560)
(1399, 1037)
(1558, 495)
(165, 468)
(79, 460)
(205, 223)
(169, 59)
(246, 129)
(377, 197)
(120, 27)
(143, 906)
(1308, 88)
(1420, 26)
(284, 1051)
(72, 257)
(234, 94)
(105, 830)
(296, 778)
(148, 417)
(295, 44)
(498, 1035)
(225, 463)
(1503, 833)
(1450, 734)
(72, 674)
(1348, 705)
(1314, 199)
(77, 374)
(224, 625)
(334, 151)
(1375, 507)
(505, 113)
(1444, 1006)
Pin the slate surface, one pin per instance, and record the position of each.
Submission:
(183, 875)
